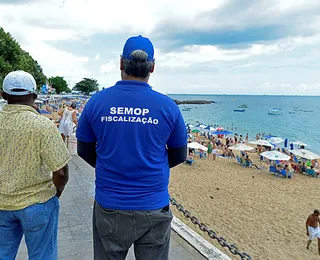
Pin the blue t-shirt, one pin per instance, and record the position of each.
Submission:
(132, 125)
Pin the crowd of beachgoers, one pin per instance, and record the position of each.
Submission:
(283, 161)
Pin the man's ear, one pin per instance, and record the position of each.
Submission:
(121, 63)
(152, 69)
(35, 96)
(4, 95)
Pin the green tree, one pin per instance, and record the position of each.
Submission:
(59, 84)
(87, 85)
(12, 57)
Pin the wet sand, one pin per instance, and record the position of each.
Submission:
(262, 214)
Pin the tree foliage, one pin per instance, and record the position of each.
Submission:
(12, 58)
(87, 85)
(60, 84)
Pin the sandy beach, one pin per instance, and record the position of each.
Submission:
(262, 214)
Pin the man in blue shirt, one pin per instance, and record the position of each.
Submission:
(132, 135)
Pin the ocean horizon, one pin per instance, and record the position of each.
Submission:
(293, 123)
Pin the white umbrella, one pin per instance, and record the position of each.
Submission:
(299, 143)
(241, 147)
(305, 154)
(261, 142)
(189, 126)
(275, 156)
(202, 126)
(209, 128)
(276, 140)
(196, 145)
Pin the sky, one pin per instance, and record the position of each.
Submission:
(204, 46)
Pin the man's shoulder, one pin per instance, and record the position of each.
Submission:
(163, 98)
(39, 121)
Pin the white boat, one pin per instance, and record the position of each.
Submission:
(275, 111)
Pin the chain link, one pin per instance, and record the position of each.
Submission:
(233, 249)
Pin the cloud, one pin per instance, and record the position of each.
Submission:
(221, 46)
(109, 67)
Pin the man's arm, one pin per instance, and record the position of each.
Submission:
(307, 224)
(60, 179)
(177, 155)
(177, 142)
(87, 151)
(56, 156)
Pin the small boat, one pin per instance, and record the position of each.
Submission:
(275, 111)
(243, 106)
(186, 109)
(307, 110)
(239, 110)
(292, 112)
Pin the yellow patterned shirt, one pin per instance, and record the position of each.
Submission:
(31, 148)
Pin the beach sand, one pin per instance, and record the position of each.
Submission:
(262, 214)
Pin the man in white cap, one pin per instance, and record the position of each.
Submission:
(33, 172)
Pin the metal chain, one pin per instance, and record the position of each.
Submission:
(222, 241)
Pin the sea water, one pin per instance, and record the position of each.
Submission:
(293, 123)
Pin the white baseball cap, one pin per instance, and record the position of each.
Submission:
(19, 83)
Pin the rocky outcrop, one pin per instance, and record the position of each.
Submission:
(193, 102)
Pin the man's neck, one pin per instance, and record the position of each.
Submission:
(21, 104)
(126, 77)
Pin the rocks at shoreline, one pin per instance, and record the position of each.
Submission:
(193, 102)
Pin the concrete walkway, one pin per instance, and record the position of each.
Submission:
(75, 232)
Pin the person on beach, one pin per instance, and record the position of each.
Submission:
(69, 118)
(214, 152)
(132, 135)
(313, 230)
(33, 172)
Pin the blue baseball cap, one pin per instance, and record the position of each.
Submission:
(138, 43)
(19, 83)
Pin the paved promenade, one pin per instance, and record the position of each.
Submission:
(75, 232)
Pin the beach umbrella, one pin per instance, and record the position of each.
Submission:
(286, 143)
(299, 143)
(269, 136)
(189, 126)
(261, 142)
(195, 131)
(209, 128)
(220, 128)
(241, 147)
(276, 140)
(222, 133)
(306, 154)
(196, 145)
(275, 156)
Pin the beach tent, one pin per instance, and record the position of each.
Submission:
(261, 142)
(275, 156)
(276, 140)
(195, 131)
(196, 145)
(306, 154)
(241, 147)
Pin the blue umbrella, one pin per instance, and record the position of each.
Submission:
(286, 143)
(269, 136)
(222, 133)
